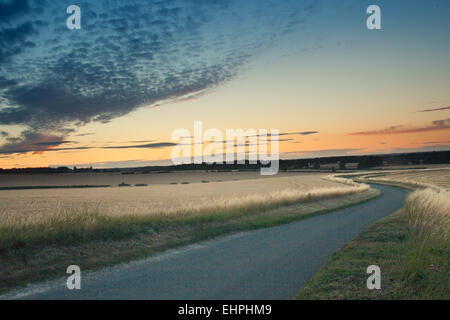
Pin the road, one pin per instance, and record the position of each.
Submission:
(271, 263)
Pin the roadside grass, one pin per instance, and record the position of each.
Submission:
(42, 251)
(411, 247)
(344, 275)
(427, 263)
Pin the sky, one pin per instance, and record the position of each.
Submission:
(111, 93)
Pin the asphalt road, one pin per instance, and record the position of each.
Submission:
(271, 263)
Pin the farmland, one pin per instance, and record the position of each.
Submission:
(163, 197)
(439, 178)
(49, 228)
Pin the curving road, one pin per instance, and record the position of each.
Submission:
(271, 263)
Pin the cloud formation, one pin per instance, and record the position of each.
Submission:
(128, 54)
(38, 143)
(302, 133)
(435, 109)
(435, 125)
(156, 145)
(31, 142)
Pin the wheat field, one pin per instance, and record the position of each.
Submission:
(429, 206)
(32, 207)
(426, 178)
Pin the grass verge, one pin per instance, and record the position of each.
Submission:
(411, 247)
(93, 241)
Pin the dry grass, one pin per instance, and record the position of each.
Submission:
(429, 214)
(427, 263)
(118, 220)
(427, 178)
(412, 247)
(37, 207)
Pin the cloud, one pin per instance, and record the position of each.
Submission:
(302, 133)
(141, 141)
(84, 134)
(31, 142)
(144, 146)
(435, 125)
(306, 133)
(52, 143)
(436, 109)
(128, 54)
(67, 149)
(15, 40)
(13, 9)
(4, 83)
(38, 143)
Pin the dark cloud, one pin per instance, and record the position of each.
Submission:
(128, 54)
(15, 40)
(141, 141)
(435, 125)
(31, 142)
(84, 134)
(13, 8)
(4, 83)
(435, 109)
(302, 133)
(51, 143)
(38, 143)
(156, 145)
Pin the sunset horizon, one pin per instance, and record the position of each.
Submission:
(357, 91)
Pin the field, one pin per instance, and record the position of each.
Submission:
(27, 207)
(426, 178)
(412, 247)
(115, 178)
(43, 230)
